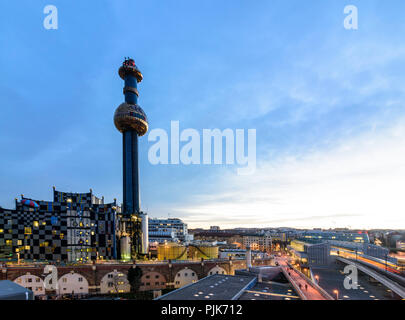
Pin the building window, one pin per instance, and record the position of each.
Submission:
(80, 279)
(27, 230)
(36, 224)
(9, 242)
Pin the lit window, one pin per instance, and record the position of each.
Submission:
(36, 224)
(1, 230)
(9, 242)
(19, 242)
(27, 230)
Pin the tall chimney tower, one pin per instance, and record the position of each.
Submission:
(131, 121)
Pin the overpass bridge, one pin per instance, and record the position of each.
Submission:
(392, 285)
(306, 289)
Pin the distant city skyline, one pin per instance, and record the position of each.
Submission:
(327, 104)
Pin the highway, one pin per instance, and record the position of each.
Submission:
(385, 266)
(395, 287)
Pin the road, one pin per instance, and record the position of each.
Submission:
(296, 279)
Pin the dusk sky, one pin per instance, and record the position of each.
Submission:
(327, 104)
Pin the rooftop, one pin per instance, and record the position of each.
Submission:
(270, 291)
(215, 287)
(13, 291)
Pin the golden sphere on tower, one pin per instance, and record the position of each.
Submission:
(131, 117)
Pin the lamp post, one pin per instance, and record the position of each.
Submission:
(337, 294)
(317, 279)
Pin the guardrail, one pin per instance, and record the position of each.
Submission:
(297, 289)
(399, 290)
(316, 286)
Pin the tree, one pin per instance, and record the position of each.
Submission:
(134, 278)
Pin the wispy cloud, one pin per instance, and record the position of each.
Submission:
(357, 183)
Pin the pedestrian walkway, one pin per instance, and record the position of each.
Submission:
(302, 285)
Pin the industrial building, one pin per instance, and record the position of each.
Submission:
(318, 236)
(324, 253)
(168, 230)
(310, 254)
(178, 251)
(74, 227)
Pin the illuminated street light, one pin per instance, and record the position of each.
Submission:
(337, 294)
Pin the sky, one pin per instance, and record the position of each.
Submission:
(327, 105)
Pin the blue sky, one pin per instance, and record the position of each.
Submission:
(327, 105)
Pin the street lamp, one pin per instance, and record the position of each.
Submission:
(317, 279)
(337, 294)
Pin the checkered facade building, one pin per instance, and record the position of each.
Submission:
(75, 227)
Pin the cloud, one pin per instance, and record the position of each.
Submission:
(357, 182)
